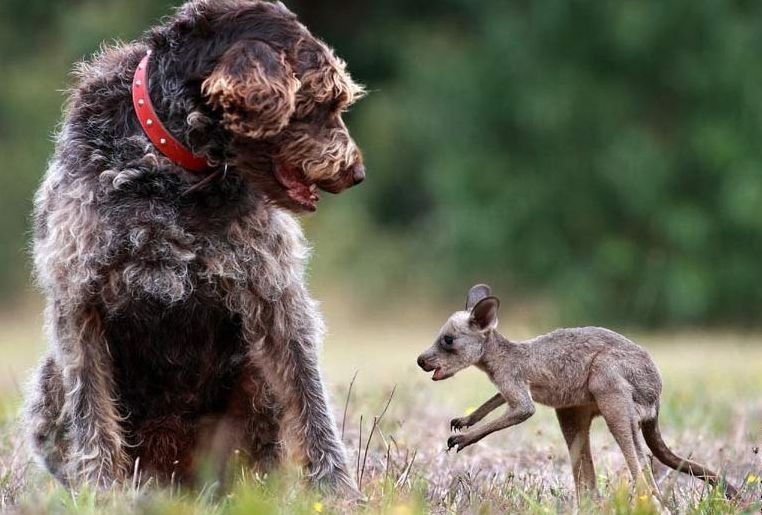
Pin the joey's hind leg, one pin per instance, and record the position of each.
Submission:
(575, 426)
(644, 457)
(621, 418)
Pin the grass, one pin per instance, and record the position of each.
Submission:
(711, 411)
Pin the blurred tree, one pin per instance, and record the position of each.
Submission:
(600, 154)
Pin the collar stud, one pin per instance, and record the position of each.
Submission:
(162, 139)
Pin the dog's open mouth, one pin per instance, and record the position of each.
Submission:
(298, 188)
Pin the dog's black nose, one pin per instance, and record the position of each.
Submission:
(422, 363)
(358, 173)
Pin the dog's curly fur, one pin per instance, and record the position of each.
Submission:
(179, 324)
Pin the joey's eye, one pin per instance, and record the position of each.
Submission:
(448, 339)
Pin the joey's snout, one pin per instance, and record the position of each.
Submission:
(429, 361)
(423, 363)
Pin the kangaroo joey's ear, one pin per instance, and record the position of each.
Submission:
(484, 314)
(475, 294)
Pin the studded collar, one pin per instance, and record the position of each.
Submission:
(161, 138)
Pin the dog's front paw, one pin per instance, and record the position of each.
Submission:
(459, 423)
(460, 442)
(338, 482)
(98, 468)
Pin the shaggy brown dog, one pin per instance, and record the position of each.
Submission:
(179, 324)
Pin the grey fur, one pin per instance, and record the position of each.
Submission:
(582, 373)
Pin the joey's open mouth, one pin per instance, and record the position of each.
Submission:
(301, 191)
(439, 375)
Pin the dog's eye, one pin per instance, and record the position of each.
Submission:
(335, 105)
(449, 340)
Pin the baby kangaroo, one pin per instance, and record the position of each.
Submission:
(582, 373)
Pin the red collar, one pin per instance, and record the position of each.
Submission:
(175, 151)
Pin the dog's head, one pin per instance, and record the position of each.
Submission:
(279, 93)
(461, 340)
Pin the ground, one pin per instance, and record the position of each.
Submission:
(711, 411)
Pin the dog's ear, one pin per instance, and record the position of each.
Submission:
(325, 81)
(475, 294)
(254, 87)
(484, 314)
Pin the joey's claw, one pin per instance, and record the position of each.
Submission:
(457, 441)
(458, 424)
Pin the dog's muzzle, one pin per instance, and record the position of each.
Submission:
(352, 176)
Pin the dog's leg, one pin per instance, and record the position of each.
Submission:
(575, 426)
(43, 416)
(97, 453)
(288, 359)
(248, 432)
(263, 421)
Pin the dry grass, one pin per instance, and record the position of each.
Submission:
(712, 410)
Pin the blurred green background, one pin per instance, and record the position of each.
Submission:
(597, 160)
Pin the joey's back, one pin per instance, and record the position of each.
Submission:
(562, 367)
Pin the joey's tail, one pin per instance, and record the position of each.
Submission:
(664, 454)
